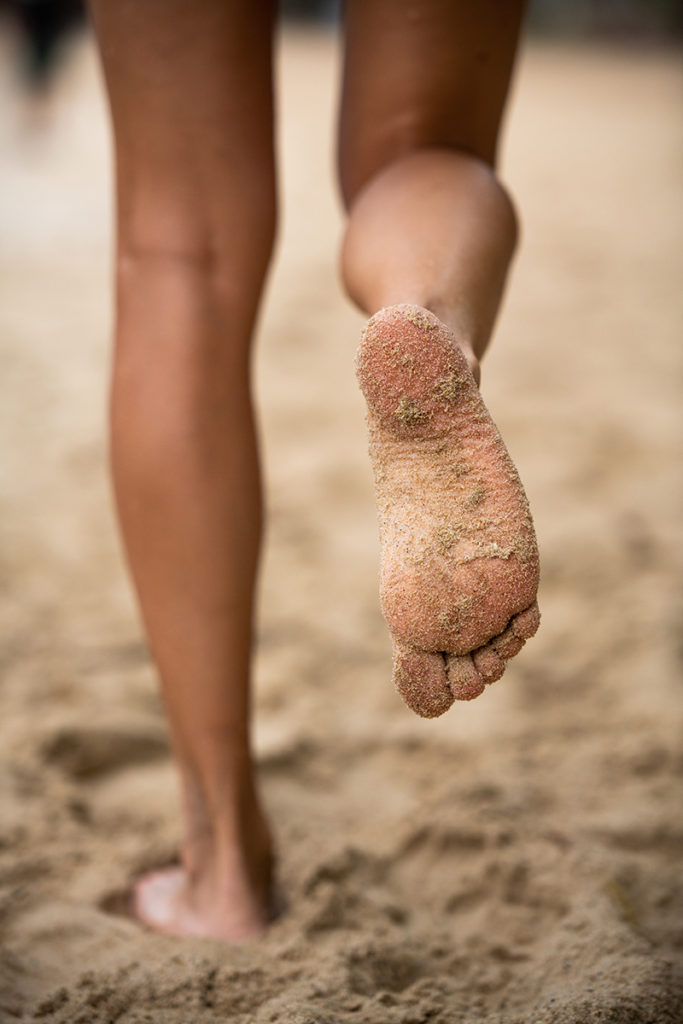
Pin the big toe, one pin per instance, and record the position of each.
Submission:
(420, 677)
(155, 897)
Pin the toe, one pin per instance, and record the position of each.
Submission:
(508, 644)
(155, 896)
(526, 623)
(420, 678)
(488, 663)
(464, 679)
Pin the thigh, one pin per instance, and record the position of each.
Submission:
(427, 73)
(190, 90)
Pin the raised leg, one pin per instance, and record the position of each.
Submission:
(423, 97)
(432, 231)
(189, 84)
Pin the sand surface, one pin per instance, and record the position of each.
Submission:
(518, 860)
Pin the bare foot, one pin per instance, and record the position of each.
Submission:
(459, 569)
(227, 897)
(165, 901)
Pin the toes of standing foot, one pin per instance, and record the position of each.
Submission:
(154, 897)
(526, 623)
(465, 681)
(488, 664)
(420, 678)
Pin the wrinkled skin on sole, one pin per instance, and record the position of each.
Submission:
(459, 568)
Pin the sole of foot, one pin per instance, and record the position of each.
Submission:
(459, 564)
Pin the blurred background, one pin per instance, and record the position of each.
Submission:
(516, 860)
(42, 29)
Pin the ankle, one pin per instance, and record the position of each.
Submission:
(238, 828)
(234, 882)
(472, 361)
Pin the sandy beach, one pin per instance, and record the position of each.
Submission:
(517, 861)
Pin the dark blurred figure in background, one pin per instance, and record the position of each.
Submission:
(43, 26)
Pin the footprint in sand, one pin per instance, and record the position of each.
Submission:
(374, 968)
(459, 569)
(84, 751)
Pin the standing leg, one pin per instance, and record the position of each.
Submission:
(432, 231)
(189, 85)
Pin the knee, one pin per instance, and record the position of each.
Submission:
(195, 244)
(188, 288)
